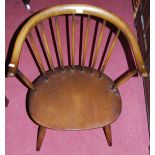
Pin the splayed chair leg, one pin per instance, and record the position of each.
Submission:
(41, 134)
(107, 132)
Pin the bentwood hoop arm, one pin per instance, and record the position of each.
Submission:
(76, 9)
(73, 96)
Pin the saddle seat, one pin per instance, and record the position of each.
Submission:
(74, 99)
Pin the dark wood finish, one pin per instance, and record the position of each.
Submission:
(105, 50)
(59, 42)
(76, 9)
(81, 40)
(79, 98)
(40, 138)
(124, 78)
(99, 43)
(24, 79)
(37, 55)
(107, 132)
(90, 101)
(73, 40)
(48, 52)
(142, 24)
(146, 83)
(6, 101)
(110, 50)
(86, 41)
(136, 4)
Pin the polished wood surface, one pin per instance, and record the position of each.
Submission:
(40, 138)
(59, 42)
(108, 135)
(86, 41)
(142, 24)
(99, 43)
(125, 78)
(74, 97)
(74, 100)
(73, 41)
(37, 55)
(110, 51)
(48, 52)
(24, 79)
(76, 9)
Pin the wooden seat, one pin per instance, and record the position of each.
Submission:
(73, 95)
(90, 101)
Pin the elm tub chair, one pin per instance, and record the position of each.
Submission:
(73, 96)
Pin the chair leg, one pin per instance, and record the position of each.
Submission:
(40, 137)
(107, 132)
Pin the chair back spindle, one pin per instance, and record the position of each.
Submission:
(54, 41)
(86, 41)
(73, 40)
(93, 42)
(81, 40)
(110, 51)
(101, 16)
(99, 43)
(105, 50)
(36, 53)
(48, 52)
(68, 40)
(59, 41)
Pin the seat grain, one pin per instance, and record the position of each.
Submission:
(74, 100)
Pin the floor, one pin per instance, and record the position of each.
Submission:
(129, 132)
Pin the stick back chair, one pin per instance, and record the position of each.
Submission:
(73, 96)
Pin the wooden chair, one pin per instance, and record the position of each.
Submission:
(73, 96)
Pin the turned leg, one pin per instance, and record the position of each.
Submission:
(41, 134)
(107, 132)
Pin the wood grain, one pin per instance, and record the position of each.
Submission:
(74, 100)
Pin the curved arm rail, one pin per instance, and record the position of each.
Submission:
(76, 9)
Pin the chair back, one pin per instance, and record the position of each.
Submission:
(50, 18)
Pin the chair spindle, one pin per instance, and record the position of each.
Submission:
(81, 40)
(54, 40)
(86, 41)
(68, 40)
(59, 42)
(99, 43)
(105, 50)
(73, 39)
(124, 78)
(93, 43)
(36, 53)
(110, 50)
(26, 81)
(48, 52)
